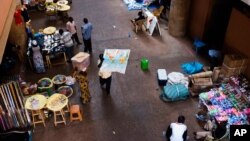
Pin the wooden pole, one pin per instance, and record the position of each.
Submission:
(178, 17)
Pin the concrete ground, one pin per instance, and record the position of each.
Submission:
(134, 110)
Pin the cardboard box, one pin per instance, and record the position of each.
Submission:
(203, 81)
(235, 61)
(227, 72)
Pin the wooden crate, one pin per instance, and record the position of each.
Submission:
(235, 61)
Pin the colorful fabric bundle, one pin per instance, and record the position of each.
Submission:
(174, 92)
(12, 111)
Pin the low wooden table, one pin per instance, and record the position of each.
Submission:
(63, 10)
(36, 103)
(56, 103)
(48, 61)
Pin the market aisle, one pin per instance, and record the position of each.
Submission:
(133, 111)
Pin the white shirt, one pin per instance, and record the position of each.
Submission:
(103, 74)
(66, 38)
(71, 27)
(178, 130)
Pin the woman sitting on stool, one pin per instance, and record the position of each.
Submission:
(140, 17)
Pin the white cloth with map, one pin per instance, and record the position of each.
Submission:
(115, 60)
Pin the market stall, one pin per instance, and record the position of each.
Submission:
(51, 46)
(228, 103)
(13, 115)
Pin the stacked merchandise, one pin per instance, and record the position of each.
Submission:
(233, 65)
(241, 85)
(137, 4)
(50, 44)
(227, 103)
(13, 115)
(176, 88)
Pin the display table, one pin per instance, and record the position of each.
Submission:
(56, 103)
(63, 7)
(63, 10)
(35, 102)
(81, 60)
(49, 30)
(224, 107)
(62, 2)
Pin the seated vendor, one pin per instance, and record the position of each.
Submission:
(217, 132)
(140, 17)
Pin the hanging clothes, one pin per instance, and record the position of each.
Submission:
(18, 17)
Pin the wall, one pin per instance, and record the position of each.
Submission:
(199, 12)
(7, 8)
(18, 36)
(238, 33)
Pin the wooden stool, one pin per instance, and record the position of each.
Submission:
(59, 113)
(75, 110)
(37, 114)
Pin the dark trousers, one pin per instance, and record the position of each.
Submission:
(106, 81)
(69, 52)
(75, 38)
(88, 45)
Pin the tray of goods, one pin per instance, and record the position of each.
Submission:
(65, 90)
(59, 79)
(45, 83)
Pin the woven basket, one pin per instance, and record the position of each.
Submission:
(59, 82)
(47, 79)
(66, 87)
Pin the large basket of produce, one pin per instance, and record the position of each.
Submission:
(59, 79)
(65, 90)
(45, 84)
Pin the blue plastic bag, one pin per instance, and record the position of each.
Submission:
(192, 67)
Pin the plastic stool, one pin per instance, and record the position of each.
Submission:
(75, 110)
(144, 64)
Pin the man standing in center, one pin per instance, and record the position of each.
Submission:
(86, 34)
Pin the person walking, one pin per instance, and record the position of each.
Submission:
(81, 77)
(68, 43)
(177, 131)
(86, 34)
(71, 27)
(105, 77)
(37, 57)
